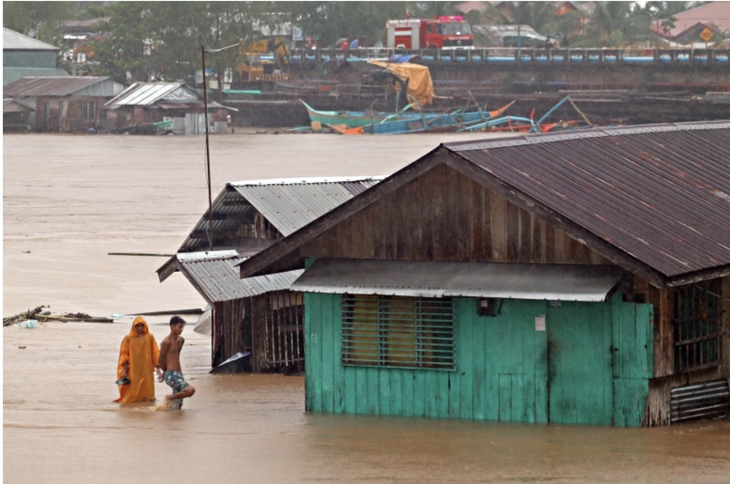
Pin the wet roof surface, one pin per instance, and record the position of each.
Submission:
(144, 93)
(49, 86)
(288, 204)
(660, 193)
(215, 276)
(465, 279)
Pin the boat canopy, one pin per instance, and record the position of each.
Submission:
(418, 77)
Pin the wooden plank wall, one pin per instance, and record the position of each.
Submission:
(658, 404)
(506, 370)
(444, 215)
(274, 342)
(231, 315)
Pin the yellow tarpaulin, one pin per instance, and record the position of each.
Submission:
(418, 77)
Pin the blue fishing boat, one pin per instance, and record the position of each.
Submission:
(354, 119)
(434, 122)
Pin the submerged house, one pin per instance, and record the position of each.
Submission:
(578, 277)
(259, 315)
(143, 104)
(16, 115)
(64, 104)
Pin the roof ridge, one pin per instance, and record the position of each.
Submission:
(543, 138)
(304, 180)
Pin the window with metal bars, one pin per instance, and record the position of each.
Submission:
(697, 329)
(401, 332)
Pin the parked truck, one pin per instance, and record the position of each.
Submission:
(444, 32)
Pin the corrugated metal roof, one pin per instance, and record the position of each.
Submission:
(659, 193)
(291, 204)
(12, 74)
(144, 93)
(15, 105)
(308, 198)
(13, 40)
(50, 86)
(466, 279)
(215, 276)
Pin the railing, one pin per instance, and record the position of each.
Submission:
(531, 55)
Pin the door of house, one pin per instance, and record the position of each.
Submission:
(516, 365)
(579, 361)
(599, 359)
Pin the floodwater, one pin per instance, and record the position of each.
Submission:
(68, 201)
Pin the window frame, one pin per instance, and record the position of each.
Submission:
(697, 326)
(382, 337)
(85, 110)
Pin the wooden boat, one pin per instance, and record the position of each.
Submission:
(354, 119)
(434, 122)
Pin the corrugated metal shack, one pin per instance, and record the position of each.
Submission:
(64, 104)
(577, 277)
(144, 103)
(259, 314)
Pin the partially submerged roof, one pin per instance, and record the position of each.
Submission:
(285, 204)
(147, 93)
(655, 199)
(166, 95)
(215, 277)
(51, 86)
(464, 279)
(13, 40)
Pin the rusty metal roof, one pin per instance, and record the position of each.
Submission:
(50, 86)
(660, 193)
(464, 279)
(215, 276)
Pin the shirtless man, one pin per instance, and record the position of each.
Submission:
(169, 369)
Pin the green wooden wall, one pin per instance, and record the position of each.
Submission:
(590, 366)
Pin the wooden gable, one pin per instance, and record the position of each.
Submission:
(444, 215)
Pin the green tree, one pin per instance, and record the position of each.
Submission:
(163, 40)
(37, 19)
(434, 9)
(534, 14)
(122, 49)
(662, 13)
(332, 20)
(615, 23)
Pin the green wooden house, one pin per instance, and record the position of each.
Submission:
(574, 278)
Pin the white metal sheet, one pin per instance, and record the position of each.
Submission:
(466, 279)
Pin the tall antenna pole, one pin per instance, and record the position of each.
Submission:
(207, 153)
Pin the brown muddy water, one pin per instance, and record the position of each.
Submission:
(70, 200)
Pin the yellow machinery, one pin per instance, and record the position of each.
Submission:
(263, 60)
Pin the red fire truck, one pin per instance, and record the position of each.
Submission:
(435, 33)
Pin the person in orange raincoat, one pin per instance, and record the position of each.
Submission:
(137, 361)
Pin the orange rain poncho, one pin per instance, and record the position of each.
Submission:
(141, 352)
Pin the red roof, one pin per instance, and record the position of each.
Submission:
(715, 15)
